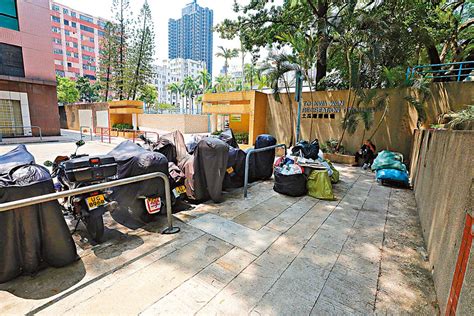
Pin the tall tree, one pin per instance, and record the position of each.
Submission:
(191, 88)
(88, 92)
(67, 91)
(148, 95)
(107, 59)
(175, 89)
(227, 54)
(121, 13)
(142, 51)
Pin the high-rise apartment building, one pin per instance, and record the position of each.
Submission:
(27, 80)
(76, 38)
(191, 37)
(175, 71)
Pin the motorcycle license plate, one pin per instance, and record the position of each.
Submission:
(179, 190)
(153, 205)
(95, 201)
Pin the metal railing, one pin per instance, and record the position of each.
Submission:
(83, 128)
(14, 127)
(458, 71)
(247, 162)
(101, 186)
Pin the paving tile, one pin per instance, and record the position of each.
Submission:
(259, 215)
(202, 287)
(151, 283)
(238, 235)
(327, 306)
(292, 214)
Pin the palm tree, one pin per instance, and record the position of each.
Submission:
(223, 84)
(204, 79)
(175, 89)
(276, 70)
(191, 88)
(227, 54)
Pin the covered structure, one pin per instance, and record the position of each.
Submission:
(243, 111)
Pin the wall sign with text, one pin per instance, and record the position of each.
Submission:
(321, 109)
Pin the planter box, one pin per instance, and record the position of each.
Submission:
(338, 158)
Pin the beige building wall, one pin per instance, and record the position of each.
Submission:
(396, 130)
(443, 178)
(186, 124)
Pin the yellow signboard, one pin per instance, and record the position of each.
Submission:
(236, 118)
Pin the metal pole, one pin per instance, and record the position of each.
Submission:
(460, 72)
(298, 122)
(247, 162)
(101, 186)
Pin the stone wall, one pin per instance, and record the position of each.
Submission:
(396, 130)
(442, 174)
(187, 124)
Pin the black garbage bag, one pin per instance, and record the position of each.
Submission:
(167, 148)
(134, 160)
(192, 143)
(228, 137)
(292, 185)
(234, 177)
(31, 237)
(210, 164)
(18, 156)
(306, 149)
(261, 164)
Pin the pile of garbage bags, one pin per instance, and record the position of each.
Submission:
(305, 171)
(31, 237)
(390, 169)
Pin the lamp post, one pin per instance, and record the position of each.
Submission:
(298, 98)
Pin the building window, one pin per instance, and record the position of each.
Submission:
(56, 29)
(57, 41)
(55, 8)
(60, 73)
(66, 22)
(8, 15)
(73, 24)
(101, 24)
(76, 55)
(87, 29)
(65, 11)
(69, 64)
(73, 14)
(67, 32)
(100, 33)
(11, 61)
(55, 19)
(86, 18)
(58, 51)
(10, 117)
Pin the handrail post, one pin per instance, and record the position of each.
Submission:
(247, 163)
(460, 72)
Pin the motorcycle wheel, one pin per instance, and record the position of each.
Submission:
(95, 225)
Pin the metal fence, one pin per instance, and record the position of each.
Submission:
(59, 195)
(453, 71)
(14, 127)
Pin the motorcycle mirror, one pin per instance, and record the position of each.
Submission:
(48, 163)
(80, 143)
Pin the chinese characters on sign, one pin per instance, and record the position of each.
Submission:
(321, 109)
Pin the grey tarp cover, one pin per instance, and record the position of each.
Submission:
(207, 169)
(31, 237)
(134, 160)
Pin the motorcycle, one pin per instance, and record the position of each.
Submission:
(76, 171)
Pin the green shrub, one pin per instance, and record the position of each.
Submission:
(122, 126)
(242, 138)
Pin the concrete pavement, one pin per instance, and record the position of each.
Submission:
(266, 255)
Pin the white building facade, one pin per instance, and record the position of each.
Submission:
(175, 71)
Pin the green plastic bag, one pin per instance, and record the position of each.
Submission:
(335, 173)
(389, 160)
(319, 185)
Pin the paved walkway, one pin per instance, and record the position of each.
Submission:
(266, 255)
